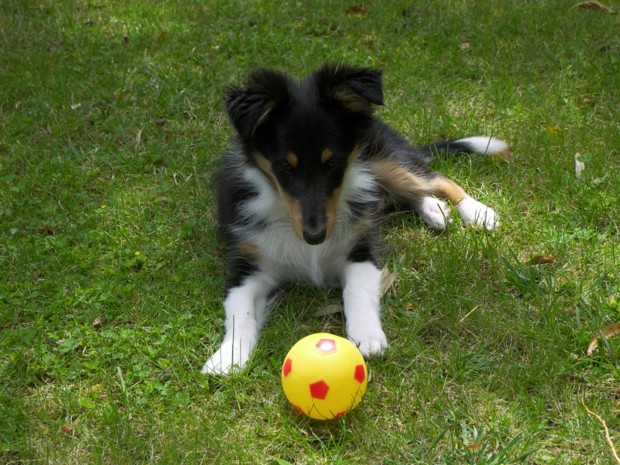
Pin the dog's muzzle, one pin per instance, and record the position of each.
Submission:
(314, 236)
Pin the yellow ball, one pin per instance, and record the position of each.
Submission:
(324, 376)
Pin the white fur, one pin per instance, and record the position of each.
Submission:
(361, 294)
(284, 255)
(477, 214)
(434, 212)
(484, 145)
(246, 311)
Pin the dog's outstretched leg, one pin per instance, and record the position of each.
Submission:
(472, 212)
(361, 294)
(246, 311)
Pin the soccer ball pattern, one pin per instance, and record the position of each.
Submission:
(324, 376)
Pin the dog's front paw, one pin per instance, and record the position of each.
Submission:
(434, 212)
(229, 358)
(370, 344)
(477, 214)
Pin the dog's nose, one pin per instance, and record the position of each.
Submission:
(314, 236)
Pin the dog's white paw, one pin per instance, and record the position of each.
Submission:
(477, 214)
(434, 212)
(370, 343)
(229, 358)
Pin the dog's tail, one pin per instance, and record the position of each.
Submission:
(482, 145)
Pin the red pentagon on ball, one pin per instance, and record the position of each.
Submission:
(326, 345)
(319, 390)
(360, 374)
(287, 367)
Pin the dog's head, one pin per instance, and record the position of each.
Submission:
(303, 135)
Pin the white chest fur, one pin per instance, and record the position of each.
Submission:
(283, 254)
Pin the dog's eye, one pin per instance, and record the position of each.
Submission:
(286, 166)
(331, 164)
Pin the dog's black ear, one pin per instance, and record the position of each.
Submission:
(356, 89)
(250, 106)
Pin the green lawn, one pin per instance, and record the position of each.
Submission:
(111, 271)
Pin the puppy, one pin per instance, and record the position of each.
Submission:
(301, 192)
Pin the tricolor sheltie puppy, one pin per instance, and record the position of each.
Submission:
(301, 192)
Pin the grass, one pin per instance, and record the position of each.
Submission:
(111, 270)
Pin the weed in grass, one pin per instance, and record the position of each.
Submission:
(478, 450)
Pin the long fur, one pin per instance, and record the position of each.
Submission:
(301, 192)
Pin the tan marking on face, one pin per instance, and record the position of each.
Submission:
(326, 155)
(292, 159)
(294, 213)
(332, 202)
(292, 205)
(265, 166)
(331, 210)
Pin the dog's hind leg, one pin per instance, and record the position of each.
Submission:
(246, 308)
(415, 190)
(472, 212)
(420, 191)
